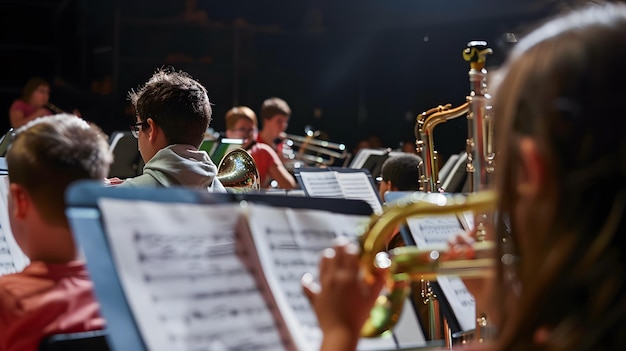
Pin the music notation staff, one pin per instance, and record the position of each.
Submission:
(193, 269)
(434, 231)
(248, 296)
(219, 311)
(322, 184)
(7, 264)
(289, 243)
(461, 301)
(346, 185)
(358, 186)
(12, 259)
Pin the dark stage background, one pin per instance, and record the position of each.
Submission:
(349, 68)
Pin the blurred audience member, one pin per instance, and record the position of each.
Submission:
(32, 104)
(192, 14)
(408, 145)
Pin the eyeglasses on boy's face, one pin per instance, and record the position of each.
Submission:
(134, 128)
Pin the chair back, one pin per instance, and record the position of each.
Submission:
(127, 161)
(80, 341)
(5, 142)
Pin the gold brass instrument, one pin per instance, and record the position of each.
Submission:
(480, 165)
(410, 263)
(424, 126)
(479, 143)
(238, 172)
(312, 151)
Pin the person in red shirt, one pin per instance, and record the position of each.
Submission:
(32, 103)
(241, 123)
(53, 294)
(275, 114)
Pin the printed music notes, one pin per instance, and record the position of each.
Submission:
(460, 299)
(343, 183)
(433, 232)
(185, 284)
(286, 252)
(297, 237)
(12, 259)
(224, 276)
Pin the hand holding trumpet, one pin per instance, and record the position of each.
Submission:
(343, 297)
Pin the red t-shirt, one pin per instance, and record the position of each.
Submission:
(26, 109)
(264, 157)
(278, 148)
(46, 299)
(20, 105)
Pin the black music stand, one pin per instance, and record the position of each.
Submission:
(127, 161)
(79, 341)
(372, 159)
(5, 142)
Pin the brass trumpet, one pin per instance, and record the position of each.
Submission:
(410, 263)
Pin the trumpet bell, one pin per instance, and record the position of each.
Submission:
(238, 172)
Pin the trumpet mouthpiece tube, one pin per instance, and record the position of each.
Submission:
(413, 263)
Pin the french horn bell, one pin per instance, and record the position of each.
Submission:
(238, 172)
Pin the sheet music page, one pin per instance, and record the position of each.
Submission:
(322, 184)
(185, 283)
(289, 243)
(346, 185)
(460, 299)
(468, 218)
(12, 259)
(433, 232)
(357, 185)
(359, 159)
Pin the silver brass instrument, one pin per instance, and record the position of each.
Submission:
(238, 172)
(312, 151)
(479, 149)
(479, 143)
